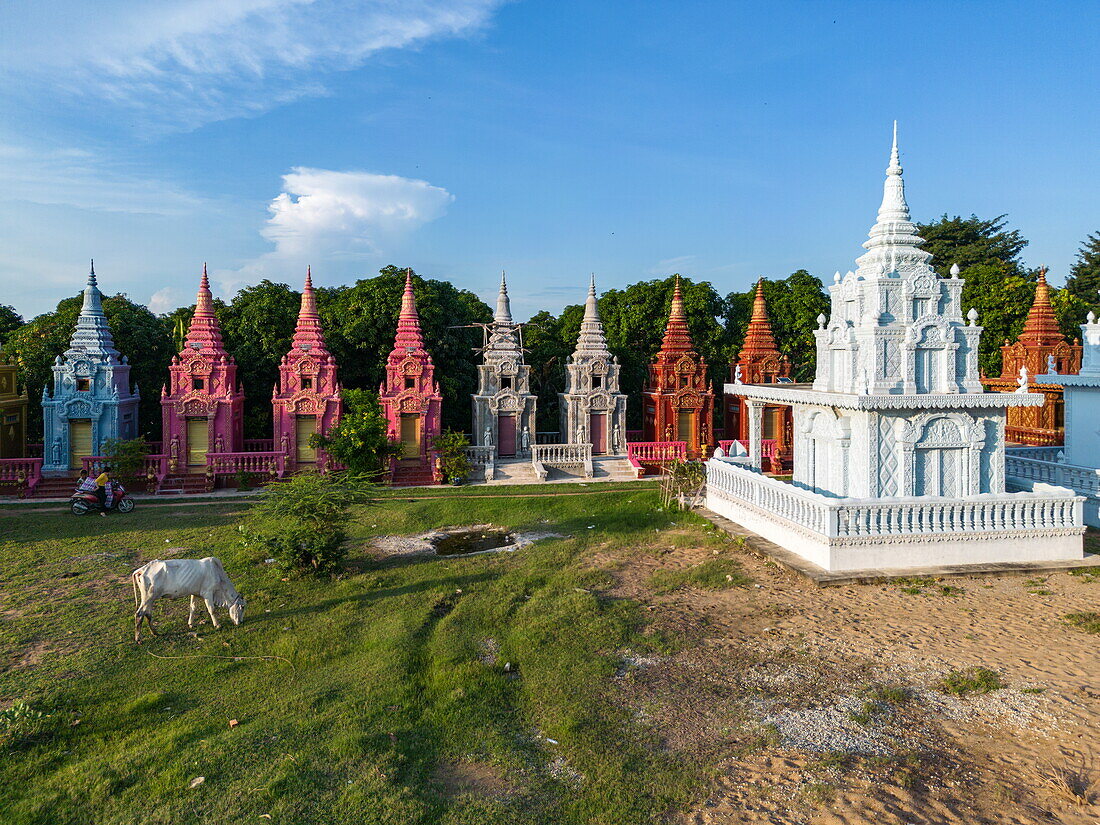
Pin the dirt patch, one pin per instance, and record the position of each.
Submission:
(822, 706)
(471, 777)
(426, 544)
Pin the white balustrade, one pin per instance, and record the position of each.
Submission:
(562, 455)
(1085, 480)
(484, 457)
(833, 518)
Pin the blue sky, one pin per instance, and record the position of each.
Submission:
(722, 140)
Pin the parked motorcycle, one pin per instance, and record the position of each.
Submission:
(82, 503)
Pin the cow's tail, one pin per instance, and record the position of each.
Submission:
(133, 580)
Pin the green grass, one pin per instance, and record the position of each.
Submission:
(971, 680)
(718, 573)
(376, 681)
(1088, 622)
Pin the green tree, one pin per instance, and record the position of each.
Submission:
(998, 284)
(360, 322)
(634, 320)
(1084, 276)
(10, 321)
(793, 306)
(139, 335)
(258, 327)
(360, 441)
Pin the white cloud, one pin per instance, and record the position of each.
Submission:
(175, 64)
(324, 214)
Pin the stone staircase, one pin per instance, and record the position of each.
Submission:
(411, 474)
(55, 486)
(612, 468)
(184, 484)
(514, 471)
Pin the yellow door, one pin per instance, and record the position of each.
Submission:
(198, 441)
(684, 429)
(410, 436)
(80, 441)
(306, 426)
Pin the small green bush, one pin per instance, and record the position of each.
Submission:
(1088, 622)
(21, 724)
(714, 574)
(971, 680)
(302, 522)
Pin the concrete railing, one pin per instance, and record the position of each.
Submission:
(561, 455)
(228, 464)
(484, 457)
(833, 518)
(259, 445)
(767, 446)
(26, 471)
(1084, 480)
(640, 453)
(156, 467)
(1041, 453)
(548, 437)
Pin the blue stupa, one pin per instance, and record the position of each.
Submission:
(92, 400)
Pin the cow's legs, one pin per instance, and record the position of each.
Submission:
(191, 612)
(144, 611)
(210, 609)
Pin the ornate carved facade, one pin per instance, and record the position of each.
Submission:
(593, 411)
(13, 412)
(760, 362)
(678, 399)
(410, 395)
(307, 397)
(504, 406)
(92, 400)
(202, 405)
(1041, 348)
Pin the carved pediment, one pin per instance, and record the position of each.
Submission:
(196, 405)
(82, 367)
(926, 286)
(597, 367)
(410, 403)
(79, 409)
(688, 399)
(411, 367)
(509, 367)
(685, 364)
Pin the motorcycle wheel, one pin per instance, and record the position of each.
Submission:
(125, 506)
(78, 508)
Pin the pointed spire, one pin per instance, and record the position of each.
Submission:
(92, 334)
(307, 332)
(759, 340)
(504, 307)
(893, 242)
(1041, 327)
(591, 339)
(677, 337)
(408, 321)
(204, 332)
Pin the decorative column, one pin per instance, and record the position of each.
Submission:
(755, 410)
(13, 412)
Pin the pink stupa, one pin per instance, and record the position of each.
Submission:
(307, 398)
(202, 406)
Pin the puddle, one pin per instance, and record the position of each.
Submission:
(461, 542)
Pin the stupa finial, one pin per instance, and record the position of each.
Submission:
(91, 274)
(504, 306)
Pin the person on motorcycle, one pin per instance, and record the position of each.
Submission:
(85, 484)
(101, 491)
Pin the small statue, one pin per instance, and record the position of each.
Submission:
(580, 434)
(737, 374)
(284, 444)
(668, 432)
(616, 436)
(1021, 382)
(525, 441)
(488, 436)
(1052, 368)
(219, 444)
(57, 451)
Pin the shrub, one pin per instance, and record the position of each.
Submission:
(1088, 622)
(971, 680)
(126, 458)
(360, 441)
(21, 724)
(301, 522)
(453, 461)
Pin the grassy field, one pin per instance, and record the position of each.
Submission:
(382, 696)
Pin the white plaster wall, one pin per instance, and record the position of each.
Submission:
(1082, 406)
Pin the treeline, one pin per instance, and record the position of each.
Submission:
(360, 320)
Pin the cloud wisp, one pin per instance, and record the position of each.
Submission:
(325, 215)
(177, 64)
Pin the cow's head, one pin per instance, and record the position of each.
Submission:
(236, 610)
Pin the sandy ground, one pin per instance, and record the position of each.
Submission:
(771, 676)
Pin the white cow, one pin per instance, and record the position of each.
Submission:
(171, 579)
